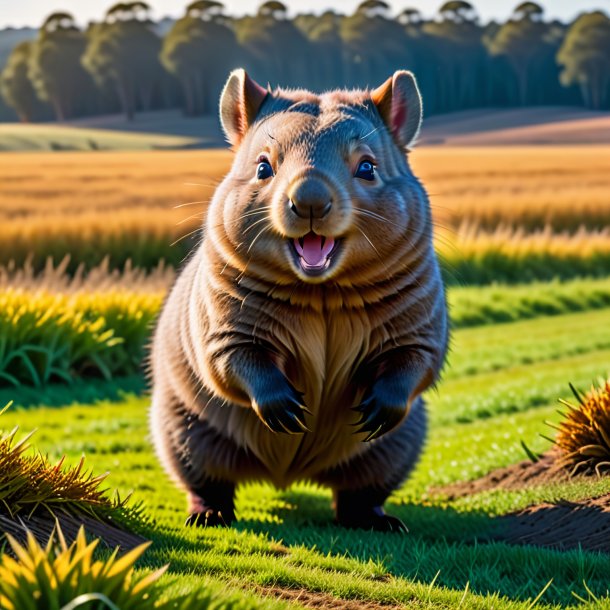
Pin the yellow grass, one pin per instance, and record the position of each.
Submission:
(136, 204)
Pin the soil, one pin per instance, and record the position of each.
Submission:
(565, 525)
(42, 527)
(316, 599)
(516, 476)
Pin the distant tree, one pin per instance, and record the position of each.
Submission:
(456, 44)
(458, 11)
(529, 45)
(373, 45)
(15, 84)
(124, 50)
(55, 68)
(326, 48)
(528, 10)
(274, 9)
(374, 8)
(410, 16)
(585, 57)
(205, 9)
(276, 49)
(200, 50)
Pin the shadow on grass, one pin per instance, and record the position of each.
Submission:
(82, 391)
(451, 548)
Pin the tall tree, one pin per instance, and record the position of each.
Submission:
(124, 50)
(55, 68)
(15, 84)
(529, 45)
(585, 57)
(326, 48)
(199, 50)
(276, 50)
(458, 45)
(373, 43)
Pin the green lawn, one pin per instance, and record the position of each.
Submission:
(502, 385)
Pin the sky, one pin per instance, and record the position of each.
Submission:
(19, 13)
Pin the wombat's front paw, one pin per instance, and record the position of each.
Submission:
(381, 411)
(281, 408)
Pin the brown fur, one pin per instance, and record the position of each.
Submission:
(382, 297)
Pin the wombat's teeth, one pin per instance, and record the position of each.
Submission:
(323, 242)
(301, 241)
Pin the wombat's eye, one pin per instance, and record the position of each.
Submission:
(366, 171)
(264, 169)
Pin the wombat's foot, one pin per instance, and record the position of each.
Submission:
(370, 519)
(281, 407)
(213, 506)
(363, 509)
(209, 518)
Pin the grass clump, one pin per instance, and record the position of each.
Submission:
(29, 482)
(47, 337)
(583, 435)
(67, 577)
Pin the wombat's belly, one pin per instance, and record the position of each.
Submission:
(291, 457)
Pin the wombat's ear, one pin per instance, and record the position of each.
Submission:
(240, 102)
(399, 104)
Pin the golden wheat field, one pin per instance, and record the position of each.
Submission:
(136, 205)
(531, 186)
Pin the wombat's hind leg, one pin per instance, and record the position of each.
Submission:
(211, 504)
(363, 509)
(362, 485)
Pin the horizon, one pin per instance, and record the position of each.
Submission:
(20, 15)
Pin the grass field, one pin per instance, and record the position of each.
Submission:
(17, 137)
(523, 233)
(285, 540)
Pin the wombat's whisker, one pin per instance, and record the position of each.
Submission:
(370, 133)
(197, 214)
(185, 236)
(183, 205)
(254, 224)
(258, 235)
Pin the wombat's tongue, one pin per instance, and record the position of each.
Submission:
(314, 249)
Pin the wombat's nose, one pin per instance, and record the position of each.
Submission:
(310, 198)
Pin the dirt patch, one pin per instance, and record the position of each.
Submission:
(516, 476)
(566, 525)
(316, 599)
(42, 526)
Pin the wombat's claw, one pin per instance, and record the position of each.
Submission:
(209, 518)
(283, 413)
(376, 419)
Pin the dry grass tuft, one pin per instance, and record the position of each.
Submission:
(29, 483)
(583, 436)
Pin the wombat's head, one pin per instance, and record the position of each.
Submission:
(320, 188)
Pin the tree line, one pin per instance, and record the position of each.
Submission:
(123, 64)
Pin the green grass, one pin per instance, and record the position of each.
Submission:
(479, 416)
(477, 305)
(47, 337)
(17, 137)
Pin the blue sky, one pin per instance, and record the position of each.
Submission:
(32, 12)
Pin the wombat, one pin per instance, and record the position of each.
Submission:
(301, 333)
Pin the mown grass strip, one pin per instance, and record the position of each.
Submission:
(476, 306)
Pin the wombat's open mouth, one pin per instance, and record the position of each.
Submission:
(314, 252)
